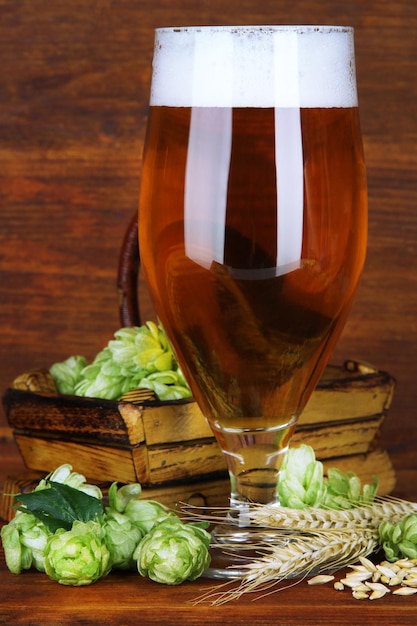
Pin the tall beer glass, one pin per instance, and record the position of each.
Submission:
(253, 222)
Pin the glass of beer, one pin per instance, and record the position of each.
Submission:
(253, 224)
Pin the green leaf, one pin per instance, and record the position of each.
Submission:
(59, 505)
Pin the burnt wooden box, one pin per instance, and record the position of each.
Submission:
(169, 447)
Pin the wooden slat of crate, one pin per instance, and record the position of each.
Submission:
(72, 417)
(103, 463)
(174, 423)
(375, 463)
(215, 492)
(161, 464)
(341, 395)
(184, 460)
(340, 438)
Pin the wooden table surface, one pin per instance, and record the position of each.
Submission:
(123, 599)
(130, 600)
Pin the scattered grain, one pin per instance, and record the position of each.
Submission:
(367, 563)
(395, 581)
(378, 593)
(377, 586)
(404, 591)
(367, 580)
(350, 582)
(361, 587)
(321, 579)
(386, 571)
(404, 563)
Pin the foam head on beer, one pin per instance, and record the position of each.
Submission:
(254, 66)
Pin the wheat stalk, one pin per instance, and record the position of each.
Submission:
(363, 516)
(296, 556)
(306, 541)
(367, 516)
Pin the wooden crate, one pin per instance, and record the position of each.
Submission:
(211, 492)
(160, 443)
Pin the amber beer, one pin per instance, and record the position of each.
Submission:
(252, 235)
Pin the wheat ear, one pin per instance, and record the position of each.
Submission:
(364, 516)
(306, 541)
(296, 556)
(367, 516)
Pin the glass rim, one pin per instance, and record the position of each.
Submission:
(267, 28)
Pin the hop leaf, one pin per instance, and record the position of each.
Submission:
(59, 505)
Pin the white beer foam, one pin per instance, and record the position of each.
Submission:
(254, 66)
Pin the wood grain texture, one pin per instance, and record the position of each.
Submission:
(155, 444)
(128, 600)
(31, 599)
(73, 106)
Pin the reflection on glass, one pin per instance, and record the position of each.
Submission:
(253, 222)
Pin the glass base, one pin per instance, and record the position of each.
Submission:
(233, 547)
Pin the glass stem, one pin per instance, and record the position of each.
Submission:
(254, 458)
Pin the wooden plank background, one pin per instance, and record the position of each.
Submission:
(74, 83)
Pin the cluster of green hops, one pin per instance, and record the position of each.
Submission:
(302, 483)
(138, 356)
(399, 540)
(63, 529)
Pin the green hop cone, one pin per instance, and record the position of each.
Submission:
(121, 537)
(120, 497)
(146, 513)
(301, 479)
(173, 552)
(102, 379)
(167, 385)
(64, 475)
(302, 483)
(143, 347)
(78, 556)
(67, 374)
(24, 539)
(399, 540)
(135, 354)
(344, 490)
